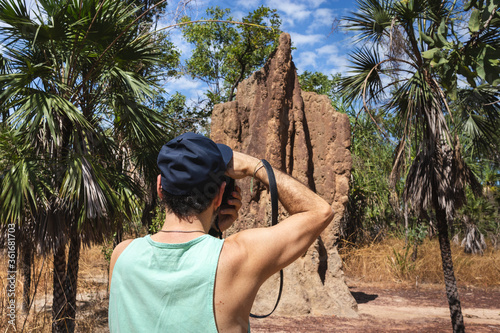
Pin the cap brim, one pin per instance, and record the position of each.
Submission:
(226, 152)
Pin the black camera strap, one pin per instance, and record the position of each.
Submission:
(273, 189)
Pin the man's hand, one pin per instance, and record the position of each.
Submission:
(229, 210)
(242, 165)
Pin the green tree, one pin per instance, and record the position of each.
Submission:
(320, 83)
(478, 133)
(412, 69)
(182, 117)
(80, 131)
(150, 10)
(226, 53)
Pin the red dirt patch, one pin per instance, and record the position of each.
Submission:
(396, 308)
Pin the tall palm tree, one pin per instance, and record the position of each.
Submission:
(76, 104)
(410, 64)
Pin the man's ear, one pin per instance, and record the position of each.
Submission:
(218, 197)
(158, 187)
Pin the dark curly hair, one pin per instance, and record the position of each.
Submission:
(188, 205)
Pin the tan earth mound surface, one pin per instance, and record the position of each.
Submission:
(301, 134)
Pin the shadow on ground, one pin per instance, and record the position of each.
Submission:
(362, 298)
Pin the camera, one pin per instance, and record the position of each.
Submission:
(227, 191)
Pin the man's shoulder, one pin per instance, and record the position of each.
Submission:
(234, 250)
(123, 245)
(120, 248)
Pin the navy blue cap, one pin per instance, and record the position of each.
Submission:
(192, 162)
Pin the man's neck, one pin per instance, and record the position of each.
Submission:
(179, 230)
(195, 222)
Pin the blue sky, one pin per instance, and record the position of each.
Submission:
(309, 22)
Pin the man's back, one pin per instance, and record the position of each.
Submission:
(165, 287)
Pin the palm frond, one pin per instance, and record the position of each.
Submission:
(40, 110)
(134, 84)
(479, 114)
(372, 21)
(77, 95)
(365, 75)
(24, 181)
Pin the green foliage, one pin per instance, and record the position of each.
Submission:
(417, 234)
(151, 10)
(479, 120)
(182, 117)
(321, 84)
(416, 80)
(80, 139)
(483, 210)
(372, 163)
(82, 132)
(226, 53)
(395, 97)
(107, 249)
(158, 221)
(401, 263)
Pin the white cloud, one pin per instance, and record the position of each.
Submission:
(304, 60)
(322, 17)
(332, 58)
(184, 85)
(338, 64)
(238, 14)
(328, 49)
(300, 39)
(294, 12)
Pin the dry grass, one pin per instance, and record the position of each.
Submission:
(91, 300)
(390, 261)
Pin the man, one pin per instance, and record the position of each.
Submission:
(183, 280)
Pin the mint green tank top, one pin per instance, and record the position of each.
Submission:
(162, 287)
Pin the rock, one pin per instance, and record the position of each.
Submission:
(300, 133)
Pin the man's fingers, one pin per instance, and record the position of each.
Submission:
(227, 218)
(237, 193)
(237, 203)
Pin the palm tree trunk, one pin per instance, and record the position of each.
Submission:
(70, 284)
(457, 320)
(59, 298)
(65, 286)
(26, 271)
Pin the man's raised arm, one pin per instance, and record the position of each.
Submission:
(267, 250)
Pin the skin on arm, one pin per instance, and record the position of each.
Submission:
(251, 256)
(271, 249)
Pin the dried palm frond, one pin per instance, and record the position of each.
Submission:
(474, 241)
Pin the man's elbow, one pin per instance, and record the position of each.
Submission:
(326, 213)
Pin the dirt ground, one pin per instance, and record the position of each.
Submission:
(387, 307)
(397, 308)
(381, 308)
